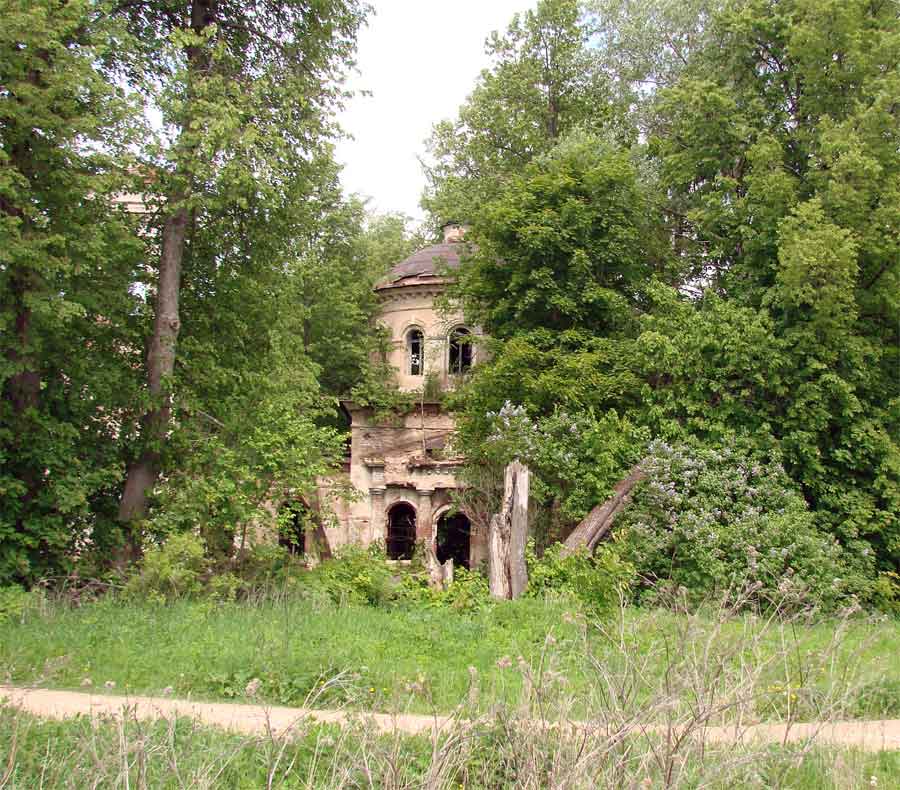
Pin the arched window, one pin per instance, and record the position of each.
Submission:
(415, 351)
(401, 532)
(460, 350)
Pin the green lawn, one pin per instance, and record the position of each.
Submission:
(423, 659)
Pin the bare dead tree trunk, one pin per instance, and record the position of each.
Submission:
(507, 572)
(144, 471)
(440, 577)
(594, 527)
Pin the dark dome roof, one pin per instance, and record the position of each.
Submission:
(422, 265)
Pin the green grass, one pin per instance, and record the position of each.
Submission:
(419, 659)
(80, 753)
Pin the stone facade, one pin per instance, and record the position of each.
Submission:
(401, 473)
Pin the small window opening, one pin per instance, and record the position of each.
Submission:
(292, 532)
(415, 343)
(460, 350)
(401, 532)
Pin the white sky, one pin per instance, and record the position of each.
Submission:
(419, 59)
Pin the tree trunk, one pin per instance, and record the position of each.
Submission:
(22, 389)
(507, 572)
(319, 535)
(440, 577)
(24, 386)
(144, 471)
(599, 521)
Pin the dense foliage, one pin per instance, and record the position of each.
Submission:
(733, 273)
(69, 324)
(684, 226)
(269, 299)
(717, 518)
(182, 568)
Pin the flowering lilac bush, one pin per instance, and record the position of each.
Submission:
(575, 459)
(707, 519)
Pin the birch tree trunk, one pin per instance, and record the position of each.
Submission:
(508, 533)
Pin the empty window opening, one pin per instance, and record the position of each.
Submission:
(454, 539)
(415, 346)
(401, 532)
(460, 350)
(295, 518)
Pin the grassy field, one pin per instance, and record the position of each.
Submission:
(425, 660)
(180, 754)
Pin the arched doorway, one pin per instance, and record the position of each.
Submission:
(292, 527)
(401, 531)
(453, 540)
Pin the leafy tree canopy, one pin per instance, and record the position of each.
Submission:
(545, 82)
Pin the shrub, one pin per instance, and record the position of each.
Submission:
(266, 563)
(14, 600)
(468, 592)
(355, 575)
(225, 586)
(597, 581)
(711, 518)
(172, 569)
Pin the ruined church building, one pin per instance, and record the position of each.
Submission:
(400, 470)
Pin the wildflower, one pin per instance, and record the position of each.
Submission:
(168, 691)
(505, 662)
(110, 684)
(252, 688)
(87, 682)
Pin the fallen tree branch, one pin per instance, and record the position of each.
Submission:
(596, 524)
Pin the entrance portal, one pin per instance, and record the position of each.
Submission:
(401, 532)
(453, 539)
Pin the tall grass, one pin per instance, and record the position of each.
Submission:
(496, 752)
(539, 695)
(797, 666)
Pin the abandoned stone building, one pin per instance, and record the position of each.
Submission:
(402, 472)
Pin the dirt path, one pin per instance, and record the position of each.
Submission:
(260, 719)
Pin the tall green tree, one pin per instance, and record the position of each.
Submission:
(566, 246)
(547, 79)
(557, 278)
(778, 148)
(245, 91)
(68, 254)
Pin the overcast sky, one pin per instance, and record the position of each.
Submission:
(419, 59)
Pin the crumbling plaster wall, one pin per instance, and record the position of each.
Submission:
(390, 463)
